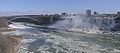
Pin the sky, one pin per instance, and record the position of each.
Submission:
(57, 6)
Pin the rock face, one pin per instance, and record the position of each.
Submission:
(117, 19)
(3, 23)
(117, 27)
(4, 26)
(8, 43)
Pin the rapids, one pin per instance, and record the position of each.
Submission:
(66, 36)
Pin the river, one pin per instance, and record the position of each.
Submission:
(40, 39)
(75, 34)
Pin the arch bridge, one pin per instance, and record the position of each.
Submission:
(24, 19)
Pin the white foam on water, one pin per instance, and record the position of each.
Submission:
(85, 24)
(19, 26)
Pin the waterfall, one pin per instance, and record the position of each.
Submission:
(86, 24)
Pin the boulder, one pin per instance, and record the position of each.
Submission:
(116, 28)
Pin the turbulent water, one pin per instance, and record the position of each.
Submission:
(61, 38)
(86, 24)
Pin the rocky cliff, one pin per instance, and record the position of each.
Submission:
(8, 43)
(117, 26)
(3, 23)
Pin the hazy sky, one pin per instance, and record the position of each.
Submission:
(56, 6)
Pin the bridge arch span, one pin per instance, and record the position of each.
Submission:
(24, 19)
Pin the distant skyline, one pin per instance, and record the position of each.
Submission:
(12, 7)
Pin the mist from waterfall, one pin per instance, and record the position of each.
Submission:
(83, 23)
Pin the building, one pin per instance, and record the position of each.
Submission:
(95, 13)
(88, 12)
(64, 14)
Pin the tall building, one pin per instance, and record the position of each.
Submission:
(95, 13)
(88, 12)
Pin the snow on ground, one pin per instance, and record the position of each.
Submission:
(18, 26)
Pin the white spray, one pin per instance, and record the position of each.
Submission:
(87, 24)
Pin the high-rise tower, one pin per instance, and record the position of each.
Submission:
(88, 12)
